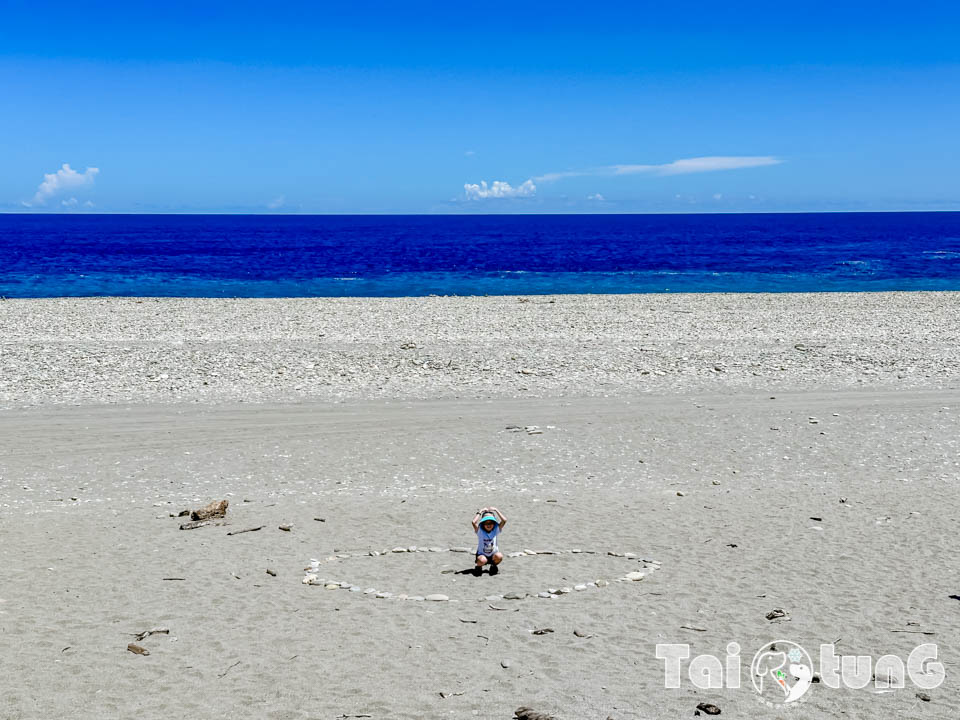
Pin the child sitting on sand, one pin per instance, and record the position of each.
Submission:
(487, 524)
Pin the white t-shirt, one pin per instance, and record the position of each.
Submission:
(487, 541)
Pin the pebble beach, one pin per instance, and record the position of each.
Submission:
(675, 469)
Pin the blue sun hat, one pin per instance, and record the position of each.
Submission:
(488, 516)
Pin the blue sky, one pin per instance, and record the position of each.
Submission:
(479, 107)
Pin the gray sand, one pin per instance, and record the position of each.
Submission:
(764, 411)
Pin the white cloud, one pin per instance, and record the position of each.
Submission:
(684, 166)
(551, 177)
(698, 165)
(677, 167)
(72, 202)
(470, 153)
(63, 179)
(499, 189)
(277, 202)
(718, 196)
(597, 197)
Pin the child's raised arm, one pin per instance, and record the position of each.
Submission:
(476, 519)
(503, 518)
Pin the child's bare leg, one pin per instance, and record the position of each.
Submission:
(482, 560)
(497, 557)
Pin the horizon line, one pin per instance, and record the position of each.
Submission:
(481, 214)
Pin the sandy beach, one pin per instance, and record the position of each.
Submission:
(746, 453)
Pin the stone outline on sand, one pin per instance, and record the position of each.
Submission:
(312, 577)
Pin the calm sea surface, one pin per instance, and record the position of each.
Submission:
(283, 256)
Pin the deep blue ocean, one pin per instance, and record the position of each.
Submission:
(284, 256)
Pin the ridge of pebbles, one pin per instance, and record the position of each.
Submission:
(312, 576)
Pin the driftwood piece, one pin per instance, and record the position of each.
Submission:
(154, 631)
(525, 713)
(194, 524)
(216, 509)
(253, 529)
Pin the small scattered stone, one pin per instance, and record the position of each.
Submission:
(514, 596)
(137, 649)
(716, 482)
(579, 588)
(564, 590)
(437, 597)
(708, 708)
(382, 595)
(505, 663)
(308, 580)
(399, 550)
(776, 613)
(332, 586)
(681, 493)
(285, 528)
(635, 576)
(582, 634)
(542, 631)
(543, 594)
(923, 696)
(602, 583)
(525, 713)
(272, 573)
